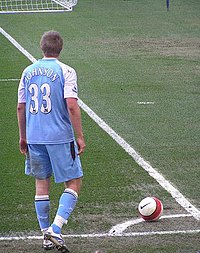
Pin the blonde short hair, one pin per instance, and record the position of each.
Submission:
(51, 44)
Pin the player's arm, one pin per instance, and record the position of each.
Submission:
(21, 110)
(75, 117)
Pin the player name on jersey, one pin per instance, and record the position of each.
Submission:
(41, 72)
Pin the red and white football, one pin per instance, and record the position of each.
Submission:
(150, 208)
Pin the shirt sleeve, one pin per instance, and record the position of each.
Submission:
(21, 91)
(70, 85)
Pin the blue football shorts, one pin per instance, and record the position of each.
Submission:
(61, 160)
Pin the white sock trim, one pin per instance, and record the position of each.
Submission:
(44, 230)
(41, 197)
(59, 221)
(72, 192)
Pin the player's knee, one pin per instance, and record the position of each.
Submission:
(74, 184)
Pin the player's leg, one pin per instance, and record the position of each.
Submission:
(38, 165)
(42, 208)
(67, 168)
(42, 202)
(67, 203)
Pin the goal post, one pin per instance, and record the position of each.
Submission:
(31, 6)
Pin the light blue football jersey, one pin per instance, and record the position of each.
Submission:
(43, 87)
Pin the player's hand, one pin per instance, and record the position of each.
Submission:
(81, 145)
(23, 146)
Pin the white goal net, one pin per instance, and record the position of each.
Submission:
(22, 6)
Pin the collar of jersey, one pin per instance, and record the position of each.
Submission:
(49, 58)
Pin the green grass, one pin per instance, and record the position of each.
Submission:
(125, 52)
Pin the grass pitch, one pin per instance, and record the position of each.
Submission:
(138, 69)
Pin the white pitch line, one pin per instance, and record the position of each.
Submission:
(17, 45)
(9, 80)
(120, 228)
(99, 235)
(151, 233)
(167, 185)
(115, 231)
(146, 102)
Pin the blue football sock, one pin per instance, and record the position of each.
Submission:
(42, 207)
(67, 204)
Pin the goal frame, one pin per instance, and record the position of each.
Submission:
(65, 6)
